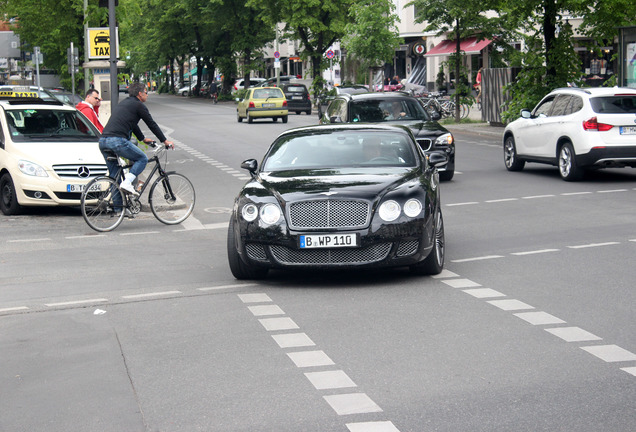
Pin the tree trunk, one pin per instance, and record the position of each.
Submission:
(457, 69)
(549, 36)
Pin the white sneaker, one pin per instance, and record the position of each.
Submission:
(128, 187)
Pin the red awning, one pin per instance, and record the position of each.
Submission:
(448, 47)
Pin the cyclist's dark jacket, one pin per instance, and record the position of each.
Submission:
(124, 121)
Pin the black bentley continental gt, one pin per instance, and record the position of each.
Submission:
(337, 197)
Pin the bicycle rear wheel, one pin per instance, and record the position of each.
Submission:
(101, 204)
(172, 198)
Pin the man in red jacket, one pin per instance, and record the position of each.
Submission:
(90, 108)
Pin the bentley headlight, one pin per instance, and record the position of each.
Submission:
(270, 213)
(249, 212)
(412, 208)
(389, 211)
(445, 139)
(29, 168)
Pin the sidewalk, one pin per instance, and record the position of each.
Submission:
(480, 127)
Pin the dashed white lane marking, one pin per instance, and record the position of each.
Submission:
(239, 175)
(610, 353)
(152, 294)
(28, 240)
(593, 245)
(573, 334)
(462, 204)
(342, 404)
(76, 302)
(305, 359)
(612, 191)
(379, 426)
(353, 403)
(14, 309)
(87, 236)
(607, 353)
(139, 233)
(533, 197)
(333, 379)
(539, 318)
(502, 200)
(293, 340)
(536, 197)
(221, 287)
(481, 258)
(540, 251)
(510, 304)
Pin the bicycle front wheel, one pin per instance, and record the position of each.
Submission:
(101, 204)
(172, 198)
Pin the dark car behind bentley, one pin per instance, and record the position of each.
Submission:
(339, 196)
(400, 109)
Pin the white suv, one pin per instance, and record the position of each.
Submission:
(575, 129)
(48, 153)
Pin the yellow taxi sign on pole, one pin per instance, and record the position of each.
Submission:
(99, 42)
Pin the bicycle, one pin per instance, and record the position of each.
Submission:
(171, 198)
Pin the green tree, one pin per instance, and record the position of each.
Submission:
(317, 24)
(372, 36)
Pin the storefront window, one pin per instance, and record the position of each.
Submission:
(628, 56)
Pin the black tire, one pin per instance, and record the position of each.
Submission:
(98, 204)
(274, 119)
(240, 270)
(434, 262)
(308, 112)
(172, 198)
(284, 119)
(568, 168)
(238, 117)
(249, 118)
(8, 197)
(511, 159)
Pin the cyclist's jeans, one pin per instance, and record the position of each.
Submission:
(126, 149)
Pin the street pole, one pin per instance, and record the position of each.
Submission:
(72, 69)
(36, 51)
(114, 90)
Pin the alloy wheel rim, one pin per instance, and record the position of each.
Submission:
(565, 162)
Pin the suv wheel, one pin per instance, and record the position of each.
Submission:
(510, 155)
(8, 197)
(568, 167)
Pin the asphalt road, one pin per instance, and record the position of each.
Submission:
(530, 327)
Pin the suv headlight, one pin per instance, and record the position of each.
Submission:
(445, 139)
(29, 168)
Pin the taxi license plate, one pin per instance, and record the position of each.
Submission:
(269, 105)
(80, 187)
(628, 130)
(327, 241)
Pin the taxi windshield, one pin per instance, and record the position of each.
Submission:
(43, 124)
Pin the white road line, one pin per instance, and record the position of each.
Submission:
(536, 197)
(610, 353)
(593, 245)
(502, 200)
(14, 309)
(539, 318)
(87, 236)
(630, 370)
(540, 251)
(445, 274)
(251, 298)
(375, 426)
(487, 257)
(484, 293)
(462, 204)
(293, 340)
(510, 305)
(327, 380)
(139, 233)
(612, 190)
(220, 287)
(278, 324)
(461, 283)
(153, 294)
(575, 193)
(264, 310)
(28, 240)
(573, 334)
(76, 302)
(354, 403)
(310, 359)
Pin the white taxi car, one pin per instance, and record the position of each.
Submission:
(48, 153)
(576, 129)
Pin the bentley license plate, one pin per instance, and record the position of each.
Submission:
(327, 241)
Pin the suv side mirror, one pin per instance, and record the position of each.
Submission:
(435, 115)
(335, 119)
(437, 159)
(526, 114)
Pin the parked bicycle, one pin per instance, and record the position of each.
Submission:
(171, 198)
(443, 105)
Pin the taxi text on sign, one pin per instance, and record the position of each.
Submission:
(99, 42)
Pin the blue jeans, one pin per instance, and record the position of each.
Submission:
(126, 149)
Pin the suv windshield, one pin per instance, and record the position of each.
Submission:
(41, 124)
(618, 104)
(385, 110)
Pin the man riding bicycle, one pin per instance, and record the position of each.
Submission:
(116, 137)
(214, 90)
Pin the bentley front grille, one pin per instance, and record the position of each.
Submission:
(322, 214)
(366, 255)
